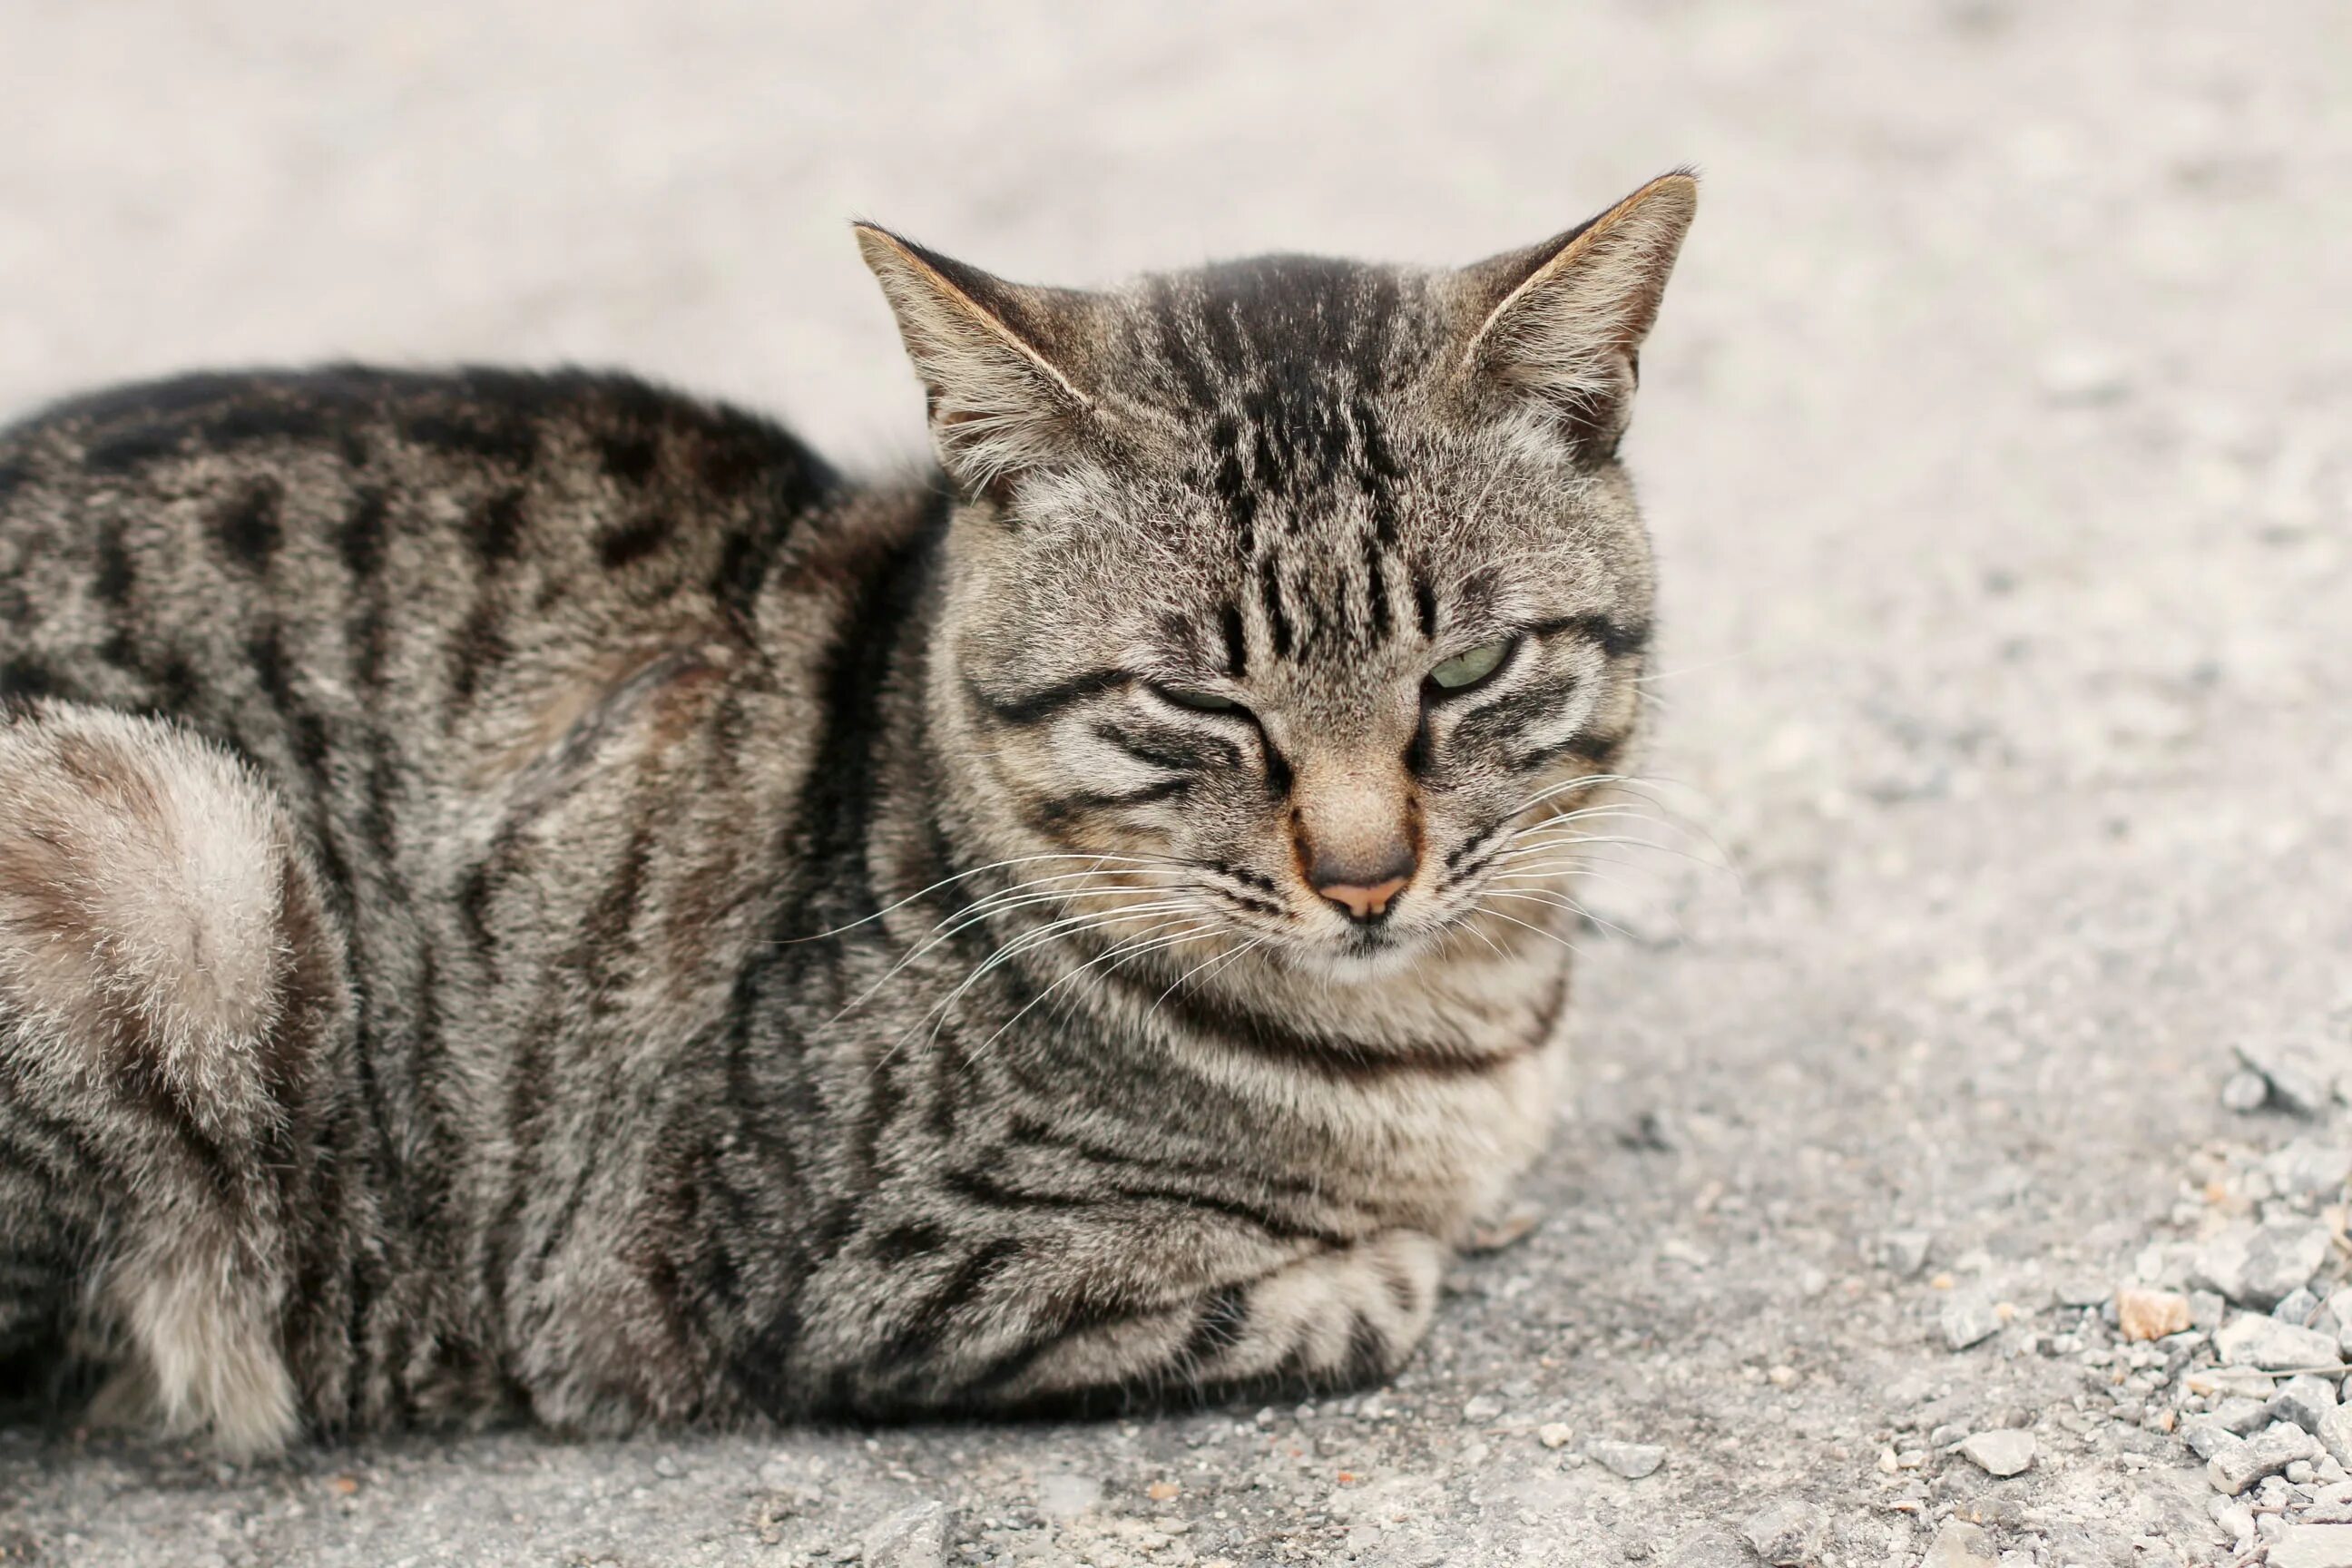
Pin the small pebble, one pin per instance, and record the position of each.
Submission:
(2304, 1399)
(1552, 1434)
(2207, 1438)
(2315, 1170)
(1482, 1408)
(1969, 1318)
(2312, 1546)
(2256, 1341)
(2236, 1467)
(1959, 1544)
(2145, 1314)
(2001, 1453)
(2298, 1307)
(2295, 1080)
(2258, 1265)
(2245, 1092)
(1787, 1535)
(2082, 1289)
(914, 1536)
(1631, 1460)
(1904, 1252)
(2240, 1416)
(2335, 1435)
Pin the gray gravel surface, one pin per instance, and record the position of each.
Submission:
(1996, 439)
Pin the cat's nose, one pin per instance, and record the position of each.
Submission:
(1363, 890)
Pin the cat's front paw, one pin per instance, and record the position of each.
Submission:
(1335, 1318)
(1331, 1320)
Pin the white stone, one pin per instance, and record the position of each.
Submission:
(1787, 1535)
(2335, 1435)
(2245, 1091)
(2319, 1169)
(1959, 1544)
(1967, 1318)
(1904, 1252)
(915, 1537)
(2313, 1546)
(2236, 1467)
(2300, 1074)
(2207, 1438)
(2003, 1452)
(2257, 1265)
(2257, 1340)
(1631, 1460)
(2241, 1417)
(2304, 1399)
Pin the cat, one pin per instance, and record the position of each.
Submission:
(532, 896)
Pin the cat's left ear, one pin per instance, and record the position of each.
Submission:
(1562, 323)
(1001, 402)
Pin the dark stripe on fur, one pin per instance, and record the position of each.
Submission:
(1059, 812)
(1229, 624)
(1339, 1060)
(1178, 752)
(1040, 706)
(249, 528)
(1614, 638)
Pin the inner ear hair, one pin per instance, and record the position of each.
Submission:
(1562, 322)
(999, 402)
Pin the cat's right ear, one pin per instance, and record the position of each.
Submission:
(986, 351)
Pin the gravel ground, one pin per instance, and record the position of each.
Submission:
(1996, 441)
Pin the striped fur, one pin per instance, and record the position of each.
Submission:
(530, 892)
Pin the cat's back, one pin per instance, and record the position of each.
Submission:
(306, 551)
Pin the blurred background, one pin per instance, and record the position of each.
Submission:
(1995, 437)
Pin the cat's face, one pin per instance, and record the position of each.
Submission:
(1300, 592)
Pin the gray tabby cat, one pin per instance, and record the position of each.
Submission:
(529, 894)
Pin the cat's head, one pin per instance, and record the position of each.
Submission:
(1290, 586)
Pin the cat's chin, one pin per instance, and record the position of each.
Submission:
(1359, 959)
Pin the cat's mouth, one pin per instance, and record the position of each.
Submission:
(1365, 956)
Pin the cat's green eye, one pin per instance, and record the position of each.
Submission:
(1464, 670)
(1199, 701)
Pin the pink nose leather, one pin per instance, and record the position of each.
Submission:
(1364, 903)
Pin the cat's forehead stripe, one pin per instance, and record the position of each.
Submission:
(1289, 326)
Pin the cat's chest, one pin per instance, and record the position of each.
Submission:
(1398, 1134)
